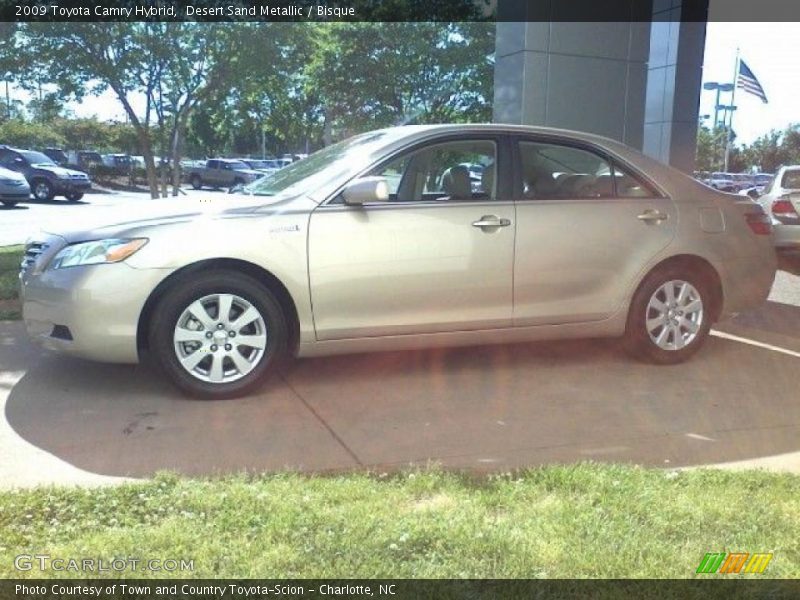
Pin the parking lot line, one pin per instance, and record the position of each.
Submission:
(756, 343)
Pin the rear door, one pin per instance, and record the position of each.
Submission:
(586, 227)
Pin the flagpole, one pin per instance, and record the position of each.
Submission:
(728, 136)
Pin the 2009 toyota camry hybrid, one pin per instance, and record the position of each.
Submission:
(405, 238)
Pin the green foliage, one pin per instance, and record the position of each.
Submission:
(10, 258)
(583, 520)
(767, 153)
(17, 132)
(371, 75)
(251, 87)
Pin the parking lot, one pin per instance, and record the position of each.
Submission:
(487, 408)
(17, 223)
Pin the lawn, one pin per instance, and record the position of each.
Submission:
(583, 520)
(10, 257)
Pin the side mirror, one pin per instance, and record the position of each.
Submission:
(365, 190)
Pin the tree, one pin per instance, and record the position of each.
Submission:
(371, 75)
(172, 65)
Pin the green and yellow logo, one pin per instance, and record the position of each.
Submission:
(735, 562)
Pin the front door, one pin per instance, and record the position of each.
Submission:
(437, 257)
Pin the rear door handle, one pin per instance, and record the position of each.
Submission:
(488, 221)
(652, 216)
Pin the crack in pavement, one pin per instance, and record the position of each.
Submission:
(334, 435)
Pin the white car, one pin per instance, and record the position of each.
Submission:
(781, 200)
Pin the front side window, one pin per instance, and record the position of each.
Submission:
(551, 171)
(459, 170)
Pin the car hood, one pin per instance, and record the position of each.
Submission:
(141, 217)
(55, 170)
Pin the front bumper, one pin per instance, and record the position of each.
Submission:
(68, 186)
(89, 311)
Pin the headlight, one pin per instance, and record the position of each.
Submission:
(62, 175)
(96, 253)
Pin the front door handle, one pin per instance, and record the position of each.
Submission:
(652, 216)
(490, 221)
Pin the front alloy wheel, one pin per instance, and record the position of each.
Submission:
(217, 334)
(220, 338)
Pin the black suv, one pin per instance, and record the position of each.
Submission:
(46, 178)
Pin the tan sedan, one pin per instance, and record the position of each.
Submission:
(405, 238)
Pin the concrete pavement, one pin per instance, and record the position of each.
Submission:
(486, 408)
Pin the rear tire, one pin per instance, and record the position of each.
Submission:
(211, 362)
(74, 196)
(669, 317)
(9, 204)
(196, 182)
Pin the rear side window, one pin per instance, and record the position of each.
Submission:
(791, 180)
(551, 171)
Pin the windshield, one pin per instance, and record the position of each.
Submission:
(335, 160)
(37, 158)
(237, 164)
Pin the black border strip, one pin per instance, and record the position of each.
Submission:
(709, 587)
(597, 11)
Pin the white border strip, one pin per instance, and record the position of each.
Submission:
(736, 338)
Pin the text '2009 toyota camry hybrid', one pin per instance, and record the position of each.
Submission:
(405, 238)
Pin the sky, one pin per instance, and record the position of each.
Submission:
(771, 50)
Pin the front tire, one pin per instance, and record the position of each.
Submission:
(669, 318)
(42, 190)
(218, 335)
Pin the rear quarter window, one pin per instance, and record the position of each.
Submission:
(791, 180)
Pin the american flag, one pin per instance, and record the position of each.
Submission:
(748, 82)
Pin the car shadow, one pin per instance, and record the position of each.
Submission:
(15, 207)
(54, 201)
(481, 408)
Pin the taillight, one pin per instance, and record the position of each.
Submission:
(783, 207)
(759, 222)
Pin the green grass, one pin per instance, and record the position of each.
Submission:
(556, 522)
(10, 257)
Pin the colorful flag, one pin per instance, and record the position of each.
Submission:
(748, 82)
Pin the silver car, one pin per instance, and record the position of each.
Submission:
(382, 242)
(14, 187)
(781, 200)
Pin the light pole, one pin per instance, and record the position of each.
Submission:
(719, 87)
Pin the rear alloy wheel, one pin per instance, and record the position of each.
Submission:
(42, 190)
(669, 318)
(218, 336)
